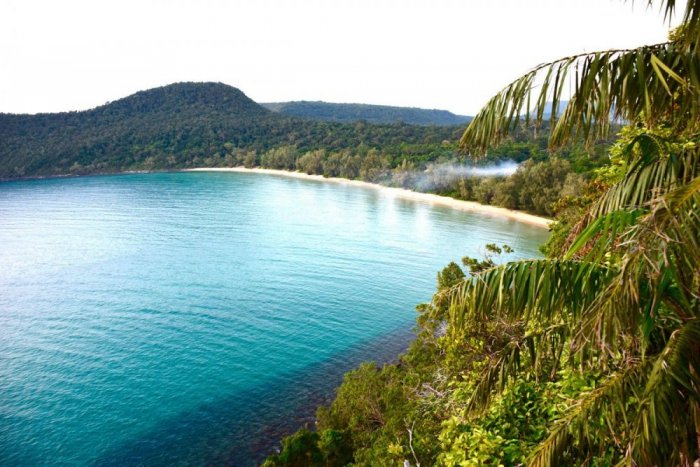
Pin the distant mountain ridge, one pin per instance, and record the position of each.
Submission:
(178, 126)
(350, 113)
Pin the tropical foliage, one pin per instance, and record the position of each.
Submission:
(590, 356)
(186, 125)
(622, 300)
(655, 84)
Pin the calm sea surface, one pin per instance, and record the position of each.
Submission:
(193, 318)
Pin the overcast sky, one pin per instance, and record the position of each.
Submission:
(446, 54)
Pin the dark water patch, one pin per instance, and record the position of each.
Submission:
(244, 429)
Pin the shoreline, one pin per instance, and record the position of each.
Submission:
(429, 198)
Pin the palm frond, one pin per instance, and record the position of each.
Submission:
(691, 18)
(651, 83)
(658, 272)
(589, 423)
(547, 344)
(611, 319)
(653, 173)
(549, 290)
(668, 241)
(649, 177)
(664, 414)
(603, 233)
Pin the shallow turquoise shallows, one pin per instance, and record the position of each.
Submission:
(192, 318)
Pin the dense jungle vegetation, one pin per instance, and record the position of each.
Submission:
(590, 356)
(350, 113)
(178, 126)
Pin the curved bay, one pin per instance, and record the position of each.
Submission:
(194, 317)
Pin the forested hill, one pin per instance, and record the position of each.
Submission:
(349, 113)
(181, 125)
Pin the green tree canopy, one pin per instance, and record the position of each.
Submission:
(622, 300)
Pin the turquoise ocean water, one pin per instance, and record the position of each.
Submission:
(193, 318)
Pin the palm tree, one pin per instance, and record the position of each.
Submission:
(624, 298)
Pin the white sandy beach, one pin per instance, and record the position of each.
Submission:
(399, 193)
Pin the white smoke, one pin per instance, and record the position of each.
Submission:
(500, 169)
(442, 176)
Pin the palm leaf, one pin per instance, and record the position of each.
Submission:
(650, 83)
(588, 424)
(654, 172)
(547, 344)
(691, 19)
(663, 418)
(545, 290)
(649, 177)
(658, 279)
(604, 233)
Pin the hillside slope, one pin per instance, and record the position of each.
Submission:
(176, 126)
(349, 113)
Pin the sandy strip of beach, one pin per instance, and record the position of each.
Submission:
(399, 193)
